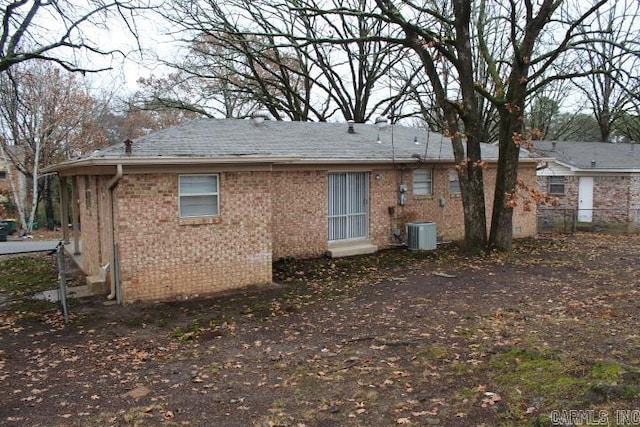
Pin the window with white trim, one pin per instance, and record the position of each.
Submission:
(556, 185)
(423, 182)
(454, 182)
(199, 195)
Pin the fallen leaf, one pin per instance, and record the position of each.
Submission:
(448, 276)
(490, 399)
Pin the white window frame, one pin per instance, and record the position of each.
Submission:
(215, 193)
(423, 182)
(557, 184)
(454, 182)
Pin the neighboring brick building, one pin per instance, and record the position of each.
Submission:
(8, 174)
(4, 177)
(5, 187)
(211, 204)
(600, 181)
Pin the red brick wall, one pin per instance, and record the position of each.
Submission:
(634, 190)
(383, 189)
(299, 213)
(614, 196)
(300, 208)
(164, 257)
(5, 188)
(450, 219)
(263, 216)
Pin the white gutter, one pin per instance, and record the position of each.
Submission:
(243, 160)
(112, 184)
(114, 181)
(165, 160)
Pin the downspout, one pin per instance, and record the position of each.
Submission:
(112, 184)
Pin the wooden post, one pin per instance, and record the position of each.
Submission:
(64, 205)
(75, 205)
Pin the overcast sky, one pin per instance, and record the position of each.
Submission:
(139, 60)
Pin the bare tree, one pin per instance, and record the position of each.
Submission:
(480, 63)
(136, 121)
(260, 50)
(46, 116)
(612, 91)
(544, 110)
(57, 30)
(489, 56)
(628, 127)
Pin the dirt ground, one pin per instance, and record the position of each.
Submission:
(546, 335)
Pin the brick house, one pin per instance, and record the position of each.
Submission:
(5, 187)
(600, 181)
(4, 176)
(9, 175)
(211, 204)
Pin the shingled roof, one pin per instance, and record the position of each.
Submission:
(302, 140)
(581, 154)
(231, 140)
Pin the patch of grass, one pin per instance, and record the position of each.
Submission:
(613, 381)
(23, 276)
(27, 275)
(547, 375)
(188, 332)
(607, 371)
(431, 353)
(602, 392)
(32, 308)
(550, 380)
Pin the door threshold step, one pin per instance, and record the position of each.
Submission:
(345, 249)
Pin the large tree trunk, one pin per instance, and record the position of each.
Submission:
(475, 221)
(511, 138)
(470, 162)
(472, 186)
(501, 236)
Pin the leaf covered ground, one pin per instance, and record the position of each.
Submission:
(546, 335)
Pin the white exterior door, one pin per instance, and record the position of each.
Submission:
(348, 205)
(585, 199)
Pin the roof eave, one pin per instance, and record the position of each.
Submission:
(606, 170)
(239, 160)
(162, 160)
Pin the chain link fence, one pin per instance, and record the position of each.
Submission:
(566, 221)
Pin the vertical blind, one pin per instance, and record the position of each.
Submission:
(348, 205)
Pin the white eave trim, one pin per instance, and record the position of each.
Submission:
(164, 161)
(592, 171)
(239, 160)
(595, 171)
